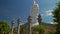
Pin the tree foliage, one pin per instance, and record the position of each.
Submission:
(56, 15)
(24, 28)
(39, 28)
(4, 27)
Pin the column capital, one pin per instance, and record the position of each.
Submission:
(13, 21)
(18, 20)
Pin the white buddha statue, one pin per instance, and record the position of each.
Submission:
(34, 11)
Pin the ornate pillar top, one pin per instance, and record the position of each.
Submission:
(29, 18)
(18, 19)
(13, 21)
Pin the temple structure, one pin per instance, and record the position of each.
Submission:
(34, 11)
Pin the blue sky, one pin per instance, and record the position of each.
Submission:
(12, 9)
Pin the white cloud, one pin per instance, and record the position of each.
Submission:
(49, 12)
(53, 22)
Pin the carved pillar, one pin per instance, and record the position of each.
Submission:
(12, 26)
(29, 25)
(18, 26)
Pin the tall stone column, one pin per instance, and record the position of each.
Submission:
(12, 26)
(18, 26)
(29, 25)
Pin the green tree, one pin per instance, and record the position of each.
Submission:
(56, 15)
(4, 27)
(24, 28)
(39, 28)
